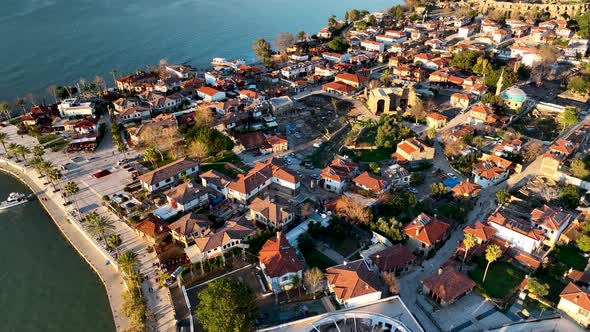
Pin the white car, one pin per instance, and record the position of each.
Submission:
(451, 175)
(317, 145)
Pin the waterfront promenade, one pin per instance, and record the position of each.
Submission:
(89, 199)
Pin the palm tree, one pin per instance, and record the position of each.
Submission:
(150, 155)
(21, 103)
(5, 109)
(493, 252)
(44, 168)
(71, 189)
(23, 151)
(128, 261)
(13, 150)
(3, 139)
(54, 175)
(114, 241)
(99, 225)
(162, 277)
(469, 241)
(38, 150)
(134, 278)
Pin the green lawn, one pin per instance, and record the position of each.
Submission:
(502, 277)
(570, 257)
(316, 259)
(555, 285)
(58, 145)
(371, 156)
(47, 138)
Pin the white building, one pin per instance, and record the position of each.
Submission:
(519, 233)
(73, 107)
(373, 46)
(354, 284)
(167, 175)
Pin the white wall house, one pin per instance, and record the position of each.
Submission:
(520, 240)
(167, 175)
(72, 107)
(484, 180)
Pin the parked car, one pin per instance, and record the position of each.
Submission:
(413, 190)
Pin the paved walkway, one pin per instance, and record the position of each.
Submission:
(88, 199)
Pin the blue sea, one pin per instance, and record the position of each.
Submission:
(59, 42)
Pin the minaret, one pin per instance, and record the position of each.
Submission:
(500, 82)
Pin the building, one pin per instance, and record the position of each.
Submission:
(280, 264)
(519, 233)
(353, 80)
(552, 221)
(215, 180)
(167, 175)
(163, 124)
(398, 176)
(336, 175)
(558, 152)
(73, 107)
(425, 233)
(491, 171)
(412, 150)
(219, 241)
(482, 114)
(436, 120)
(514, 98)
(354, 284)
(270, 213)
(187, 196)
(386, 100)
(280, 105)
(151, 229)
(134, 114)
(210, 94)
(447, 285)
(371, 182)
(189, 227)
(373, 46)
(269, 174)
(466, 189)
(460, 100)
(336, 57)
(396, 259)
(575, 302)
(274, 144)
(180, 71)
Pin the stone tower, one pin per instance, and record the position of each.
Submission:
(500, 83)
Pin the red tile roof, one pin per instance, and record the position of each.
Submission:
(151, 226)
(426, 229)
(209, 91)
(272, 211)
(449, 284)
(279, 257)
(467, 189)
(353, 279)
(371, 182)
(393, 258)
(576, 295)
(481, 231)
(338, 86)
(261, 172)
(550, 218)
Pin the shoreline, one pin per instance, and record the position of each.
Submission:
(113, 290)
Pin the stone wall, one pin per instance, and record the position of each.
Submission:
(570, 8)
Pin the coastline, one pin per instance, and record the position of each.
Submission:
(78, 239)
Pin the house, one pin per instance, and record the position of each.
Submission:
(218, 242)
(579, 278)
(539, 34)
(519, 233)
(467, 31)
(134, 114)
(163, 124)
(353, 80)
(74, 107)
(159, 102)
(436, 120)
(481, 114)
(124, 102)
(353, 284)
(338, 88)
(396, 259)
(460, 100)
(466, 189)
(577, 46)
(500, 35)
(136, 82)
(398, 176)
(280, 264)
(575, 302)
(151, 229)
(491, 171)
(336, 57)
(251, 96)
(167, 175)
(210, 94)
(529, 56)
(280, 105)
(270, 213)
(297, 70)
(412, 150)
(167, 84)
(373, 45)
(425, 233)
(215, 180)
(189, 227)
(371, 182)
(552, 221)
(447, 285)
(269, 174)
(336, 175)
(274, 144)
(186, 196)
(180, 71)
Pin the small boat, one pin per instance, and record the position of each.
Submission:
(13, 199)
(216, 62)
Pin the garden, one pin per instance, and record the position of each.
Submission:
(501, 279)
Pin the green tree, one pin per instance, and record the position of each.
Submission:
(537, 288)
(128, 261)
(578, 84)
(583, 22)
(301, 36)
(482, 66)
(502, 196)
(54, 175)
(493, 252)
(386, 77)
(492, 99)
(226, 305)
(71, 189)
(23, 151)
(5, 110)
(262, 50)
(162, 277)
(464, 60)
(570, 196)
(391, 228)
(150, 155)
(99, 225)
(416, 179)
(569, 117)
(353, 15)
(38, 151)
(579, 169)
(583, 242)
(469, 241)
(332, 21)
(12, 150)
(21, 103)
(211, 138)
(397, 12)
(338, 45)
(492, 78)
(3, 140)
(114, 242)
(438, 189)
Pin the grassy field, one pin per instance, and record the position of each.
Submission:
(570, 257)
(315, 258)
(502, 277)
(370, 156)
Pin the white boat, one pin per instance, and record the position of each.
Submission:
(13, 199)
(219, 62)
